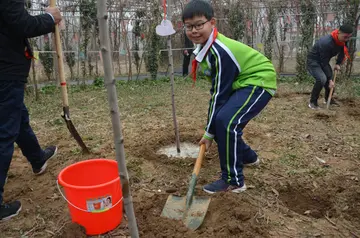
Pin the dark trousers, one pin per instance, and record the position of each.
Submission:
(321, 81)
(243, 105)
(15, 127)
(186, 62)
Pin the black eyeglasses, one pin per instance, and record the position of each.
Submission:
(197, 26)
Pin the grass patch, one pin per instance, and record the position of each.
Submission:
(291, 160)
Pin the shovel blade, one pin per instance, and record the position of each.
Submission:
(195, 215)
(76, 135)
(175, 208)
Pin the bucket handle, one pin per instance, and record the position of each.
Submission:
(83, 210)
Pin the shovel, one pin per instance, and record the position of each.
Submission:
(190, 209)
(64, 93)
(331, 92)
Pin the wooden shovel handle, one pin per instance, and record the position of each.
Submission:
(199, 159)
(60, 57)
(331, 91)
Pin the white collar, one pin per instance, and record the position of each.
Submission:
(200, 53)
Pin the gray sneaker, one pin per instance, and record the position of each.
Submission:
(314, 106)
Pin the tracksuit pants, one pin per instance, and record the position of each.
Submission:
(243, 105)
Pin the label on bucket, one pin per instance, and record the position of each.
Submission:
(100, 204)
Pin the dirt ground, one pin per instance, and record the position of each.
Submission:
(291, 194)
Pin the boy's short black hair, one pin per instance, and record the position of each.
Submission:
(198, 8)
(346, 28)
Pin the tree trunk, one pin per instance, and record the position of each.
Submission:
(71, 73)
(56, 63)
(307, 21)
(282, 47)
(352, 44)
(124, 39)
(117, 41)
(79, 50)
(143, 55)
(115, 116)
(127, 45)
(171, 64)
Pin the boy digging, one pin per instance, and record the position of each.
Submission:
(243, 82)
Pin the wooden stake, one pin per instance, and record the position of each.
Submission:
(171, 64)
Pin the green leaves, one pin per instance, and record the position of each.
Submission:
(237, 21)
(307, 24)
(47, 60)
(152, 52)
(269, 42)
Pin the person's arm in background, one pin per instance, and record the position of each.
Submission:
(21, 23)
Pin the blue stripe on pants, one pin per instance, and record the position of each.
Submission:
(243, 105)
(15, 127)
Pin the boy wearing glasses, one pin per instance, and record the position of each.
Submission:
(318, 61)
(243, 82)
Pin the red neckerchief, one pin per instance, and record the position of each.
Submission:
(195, 63)
(335, 36)
(28, 54)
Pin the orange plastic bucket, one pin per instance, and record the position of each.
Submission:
(93, 191)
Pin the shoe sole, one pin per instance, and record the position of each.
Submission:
(208, 191)
(43, 168)
(238, 190)
(13, 215)
(255, 164)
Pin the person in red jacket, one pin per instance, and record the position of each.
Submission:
(16, 26)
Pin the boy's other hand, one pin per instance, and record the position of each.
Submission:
(331, 84)
(207, 142)
(337, 67)
(55, 12)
